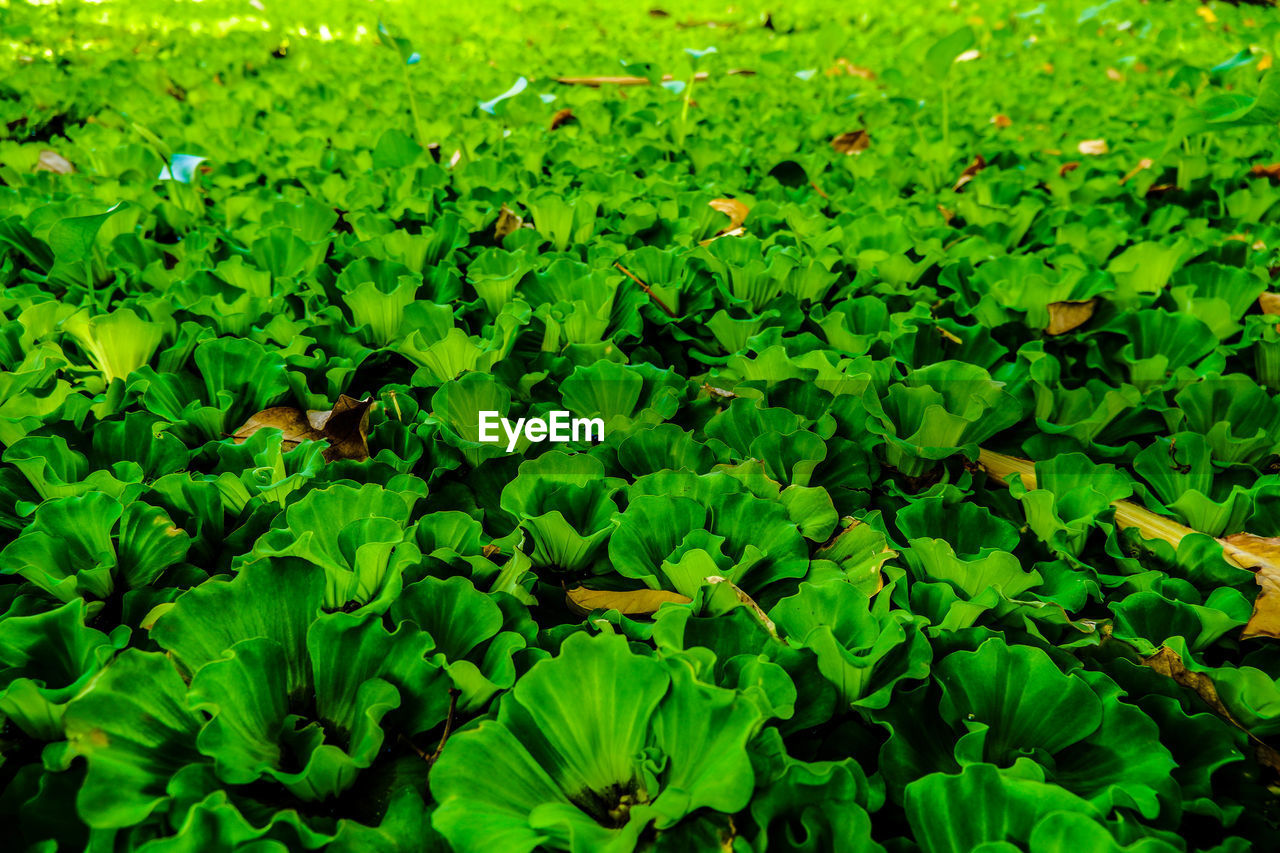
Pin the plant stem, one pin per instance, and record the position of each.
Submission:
(448, 725)
(413, 107)
(688, 95)
(946, 115)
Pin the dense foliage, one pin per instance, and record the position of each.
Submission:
(264, 588)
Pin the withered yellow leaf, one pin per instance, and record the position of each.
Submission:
(1092, 147)
(1262, 555)
(628, 602)
(1269, 303)
(732, 208)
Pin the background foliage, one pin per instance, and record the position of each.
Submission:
(262, 588)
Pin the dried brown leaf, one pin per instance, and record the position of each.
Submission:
(1262, 555)
(52, 161)
(1265, 170)
(979, 163)
(1068, 315)
(1169, 663)
(289, 420)
(344, 427)
(561, 117)
(508, 221)
(852, 142)
(628, 602)
(1069, 166)
(1269, 303)
(1001, 120)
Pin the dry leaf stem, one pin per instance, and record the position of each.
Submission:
(653, 296)
(448, 724)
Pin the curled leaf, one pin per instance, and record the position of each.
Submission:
(344, 427)
(1143, 164)
(628, 602)
(732, 208)
(852, 142)
(748, 602)
(1262, 555)
(1069, 166)
(1068, 315)
(52, 161)
(561, 117)
(979, 163)
(508, 221)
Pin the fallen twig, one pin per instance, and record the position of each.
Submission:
(448, 724)
(628, 80)
(656, 299)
